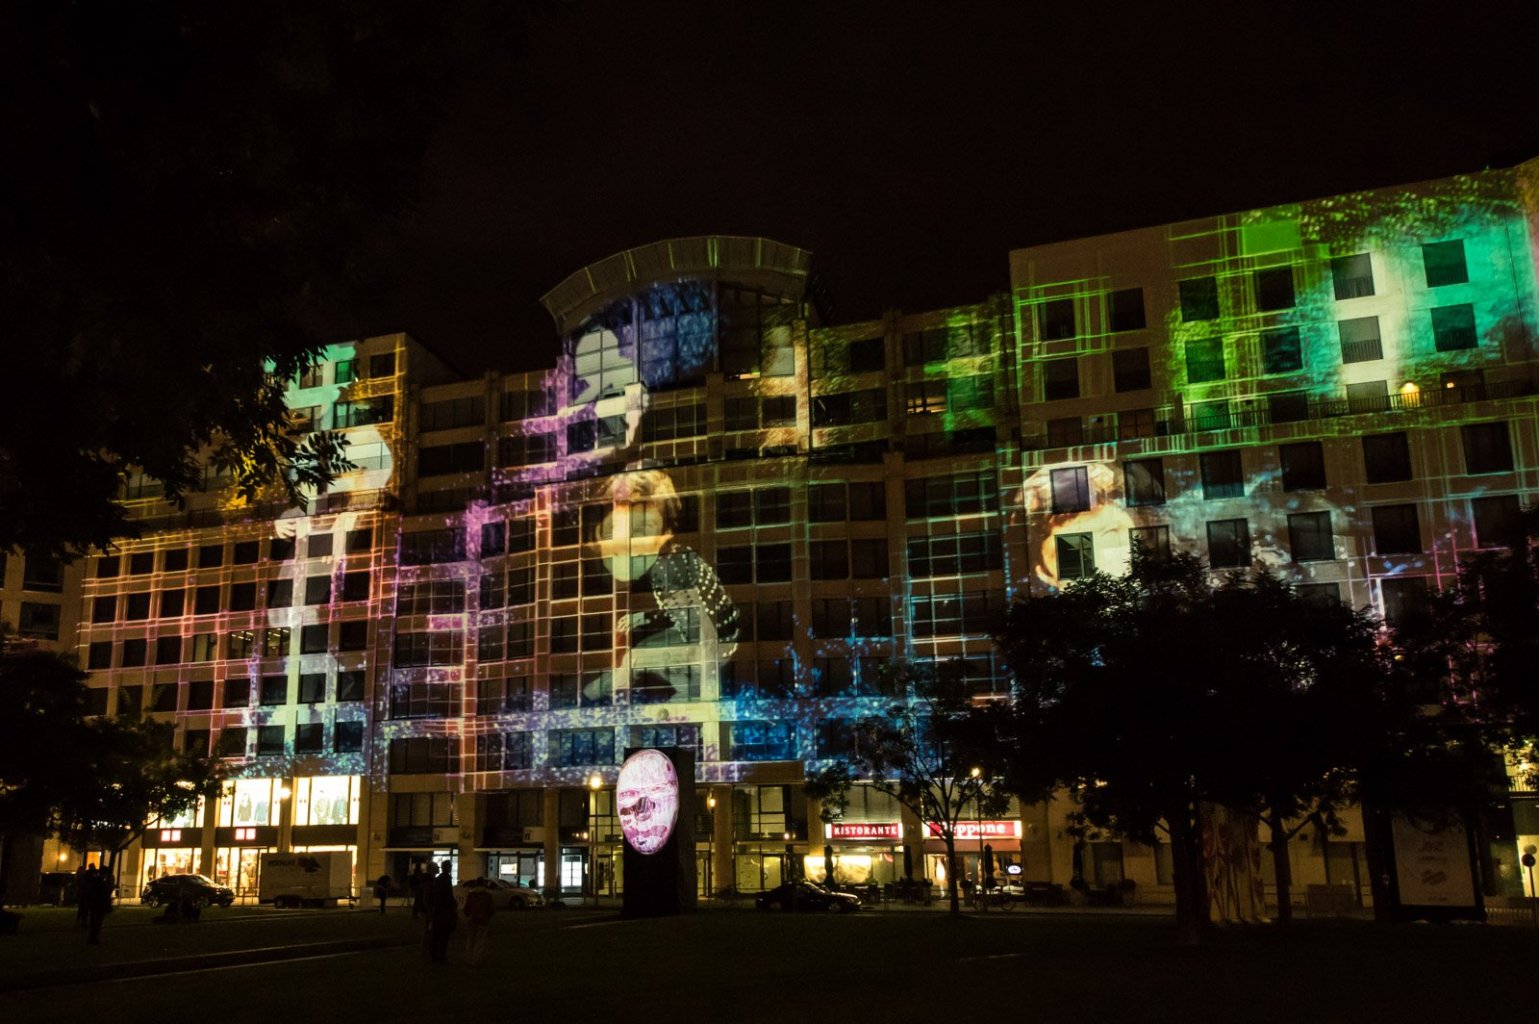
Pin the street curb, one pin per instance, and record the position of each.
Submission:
(200, 961)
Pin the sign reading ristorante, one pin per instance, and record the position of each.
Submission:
(865, 830)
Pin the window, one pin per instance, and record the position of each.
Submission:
(437, 460)
(355, 586)
(1130, 369)
(318, 590)
(275, 642)
(773, 562)
(828, 560)
(772, 505)
(526, 449)
(868, 559)
(1368, 396)
(237, 693)
(137, 607)
(1444, 263)
(1274, 288)
(274, 691)
(141, 562)
(309, 738)
(825, 503)
(449, 413)
(1199, 299)
(1353, 276)
(1057, 319)
(761, 741)
(1126, 310)
(1071, 489)
(358, 542)
(423, 755)
(1213, 415)
(426, 547)
(1498, 521)
(1396, 530)
(280, 594)
(1060, 379)
(348, 738)
(279, 549)
(269, 740)
(104, 609)
(242, 597)
(1287, 406)
(232, 743)
(312, 639)
(1222, 475)
(210, 556)
(246, 552)
(972, 614)
(206, 600)
(168, 650)
(925, 398)
(1303, 466)
(1151, 542)
(1065, 432)
(1386, 458)
(353, 635)
(99, 654)
(1144, 482)
(107, 567)
(312, 687)
(734, 509)
(1453, 327)
(1309, 537)
(1360, 341)
(39, 620)
(417, 650)
(1204, 360)
(350, 686)
(920, 347)
(1404, 598)
(1229, 544)
(1487, 448)
(1076, 555)
(931, 497)
(954, 554)
(1281, 351)
(573, 747)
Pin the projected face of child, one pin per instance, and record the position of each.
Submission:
(647, 793)
(638, 525)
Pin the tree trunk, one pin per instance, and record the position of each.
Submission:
(6, 848)
(1191, 887)
(951, 872)
(1379, 847)
(1283, 869)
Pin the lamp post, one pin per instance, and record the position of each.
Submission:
(595, 783)
(710, 847)
(976, 775)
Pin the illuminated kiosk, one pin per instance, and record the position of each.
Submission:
(655, 800)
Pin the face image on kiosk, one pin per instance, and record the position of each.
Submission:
(654, 798)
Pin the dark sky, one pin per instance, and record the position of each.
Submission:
(910, 147)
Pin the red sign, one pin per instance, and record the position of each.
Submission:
(976, 830)
(870, 830)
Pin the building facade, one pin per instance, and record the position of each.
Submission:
(716, 516)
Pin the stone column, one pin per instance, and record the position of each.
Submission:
(550, 817)
(724, 853)
(467, 810)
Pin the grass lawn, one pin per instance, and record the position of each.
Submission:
(742, 966)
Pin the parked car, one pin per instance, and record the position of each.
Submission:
(807, 896)
(505, 895)
(202, 891)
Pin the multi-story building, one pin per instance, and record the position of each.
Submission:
(716, 517)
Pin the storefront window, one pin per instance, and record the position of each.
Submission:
(191, 817)
(170, 861)
(247, 802)
(326, 800)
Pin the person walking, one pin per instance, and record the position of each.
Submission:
(382, 891)
(85, 878)
(478, 916)
(417, 885)
(443, 915)
(99, 906)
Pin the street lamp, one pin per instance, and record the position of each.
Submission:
(595, 783)
(976, 775)
(710, 846)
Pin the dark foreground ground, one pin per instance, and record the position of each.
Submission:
(725, 965)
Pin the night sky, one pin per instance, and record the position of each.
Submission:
(911, 151)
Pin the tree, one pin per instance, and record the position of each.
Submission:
(937, 753)
(42, 704)
(135, 778)
(190, 198)
(1151, 694)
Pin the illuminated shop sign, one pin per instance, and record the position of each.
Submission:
(865, 831)
(647, 793)
(980, 829)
